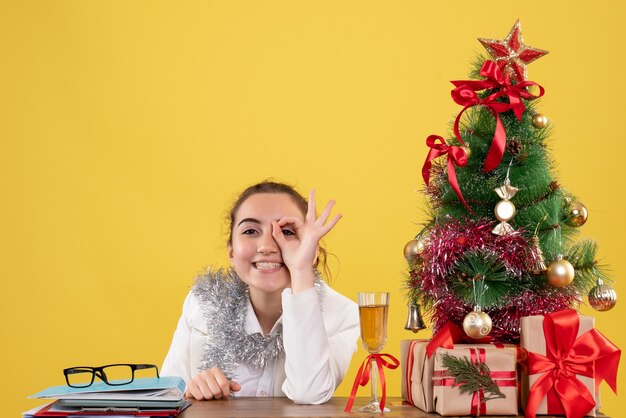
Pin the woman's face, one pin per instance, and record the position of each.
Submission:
(254, 254)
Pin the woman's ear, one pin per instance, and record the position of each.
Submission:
(230, 253)
(317, 256)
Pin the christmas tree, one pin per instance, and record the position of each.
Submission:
(501, 242)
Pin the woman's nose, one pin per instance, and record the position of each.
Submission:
(267, 244)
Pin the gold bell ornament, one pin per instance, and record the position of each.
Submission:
(539, 263)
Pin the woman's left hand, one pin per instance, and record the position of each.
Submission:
(300, 250)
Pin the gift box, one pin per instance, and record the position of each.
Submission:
(566, 361)
(418, 367)
(417, 374)
(449, 400)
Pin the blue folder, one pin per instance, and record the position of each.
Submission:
(166, 388)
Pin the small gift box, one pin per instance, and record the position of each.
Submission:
(418, 367)
(566, 361)
(475, 381)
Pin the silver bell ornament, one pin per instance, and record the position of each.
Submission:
(414, 321)
(602, 297)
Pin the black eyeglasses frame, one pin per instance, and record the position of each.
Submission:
(100, 373)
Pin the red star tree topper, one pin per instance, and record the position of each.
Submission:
(512, 54)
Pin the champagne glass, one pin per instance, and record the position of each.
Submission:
(373, 312)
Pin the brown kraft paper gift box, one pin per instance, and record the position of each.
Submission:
(417, 371)
(533, 339)
(417, 374)
(448, 399)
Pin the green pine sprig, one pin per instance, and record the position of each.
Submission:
(490, 276)
(470, 377)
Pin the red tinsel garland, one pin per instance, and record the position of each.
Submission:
(448, 242)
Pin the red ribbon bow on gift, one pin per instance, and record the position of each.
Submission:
(449, 335)
(456, 156)
(363, 376)
(568, 356)
(465, 95)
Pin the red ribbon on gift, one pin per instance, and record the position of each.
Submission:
(449, 335)
(465, 95)
(408, 378)
(478, 405)
(363, 376)
(456, 156)
(568, 356)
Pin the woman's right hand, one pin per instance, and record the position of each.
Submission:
(210, 384)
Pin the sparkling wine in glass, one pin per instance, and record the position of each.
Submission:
(373, 312)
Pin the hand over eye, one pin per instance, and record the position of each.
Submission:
(299, 239)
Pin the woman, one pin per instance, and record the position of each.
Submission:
(269, 326)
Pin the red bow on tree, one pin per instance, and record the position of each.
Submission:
(456, 156)
(568, 356)
(465, 95)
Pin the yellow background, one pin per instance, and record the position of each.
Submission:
(128, 127)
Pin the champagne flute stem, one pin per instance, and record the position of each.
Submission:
(373, 380)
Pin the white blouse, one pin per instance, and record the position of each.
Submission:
(319, 336)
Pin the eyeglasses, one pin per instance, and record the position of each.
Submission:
(111, 374)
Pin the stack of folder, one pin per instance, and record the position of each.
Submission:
(146, 397)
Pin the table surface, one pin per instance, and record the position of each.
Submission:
(283, 407)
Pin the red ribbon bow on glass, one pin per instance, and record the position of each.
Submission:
(465, 95)
(568, 356)
(363, 376)
(456, 156)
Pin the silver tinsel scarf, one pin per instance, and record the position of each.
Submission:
(224, 298)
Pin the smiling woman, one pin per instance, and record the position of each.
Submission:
(269, 325)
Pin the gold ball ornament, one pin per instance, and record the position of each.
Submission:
(504, 210)
(560, 273)
(540, 121)
(602, 297)
(477, 324)
(413, 248)
(577, 214)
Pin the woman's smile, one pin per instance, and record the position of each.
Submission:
(267, 267)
